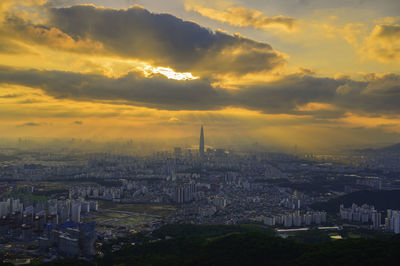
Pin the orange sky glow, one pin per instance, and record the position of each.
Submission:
(322, 76)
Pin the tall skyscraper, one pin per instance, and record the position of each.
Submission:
(201, 146)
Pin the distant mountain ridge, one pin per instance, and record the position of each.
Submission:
(390, 148)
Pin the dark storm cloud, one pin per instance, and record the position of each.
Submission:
(285, 95)
(378, 94)
(133, 89)
(165, 40)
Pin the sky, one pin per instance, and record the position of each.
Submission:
(316, 74)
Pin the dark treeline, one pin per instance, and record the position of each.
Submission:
(246, 245)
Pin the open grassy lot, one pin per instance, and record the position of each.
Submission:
(163, 210)
(119, 219)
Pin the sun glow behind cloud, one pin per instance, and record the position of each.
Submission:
(168, 72)
(260, 84)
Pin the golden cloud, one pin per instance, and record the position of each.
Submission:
(242, 17)
(91, 72)
(137, 34)
(16, 27)
(383, 43)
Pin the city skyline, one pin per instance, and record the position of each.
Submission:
(199, 132)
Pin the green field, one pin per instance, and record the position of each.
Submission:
(154, 209)
(119, 219)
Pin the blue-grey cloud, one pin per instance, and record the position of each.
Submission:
(165, 40)
(378, 94)
(133, 88)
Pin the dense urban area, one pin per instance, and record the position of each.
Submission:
(59, 202)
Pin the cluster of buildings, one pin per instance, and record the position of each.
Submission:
(368, 214)
(208, 186)
(184, 193)
(205, 185)
(291, 203)
(96, 192)
(296, 219)
(53, 211)
(62, 211)
(9, 206)
(392, 221)
(371, 181)
(361, 214)
(55, 223)
(69, 239)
